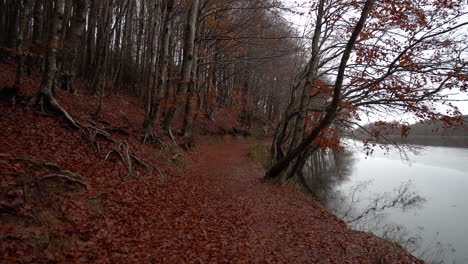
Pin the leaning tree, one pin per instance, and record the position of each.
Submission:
(367, 58)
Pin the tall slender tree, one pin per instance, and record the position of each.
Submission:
(45, 96)
(72, 43)
(191, 25)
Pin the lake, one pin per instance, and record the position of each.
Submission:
(422, 202)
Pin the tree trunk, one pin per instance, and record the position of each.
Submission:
(101, 76)
(154, 107)
(34, 61)
(184, 82)
(275, 171)
(91, 41)
(72, 43)
(45, 96)
(21, 35)
(190, 104)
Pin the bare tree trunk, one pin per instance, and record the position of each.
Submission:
(101, 76)
(72, 43)
(300, 98)
(12, 14)
(21, 35)
(325, 122)
(91, 41)
(154, 106)
(34, 61)
(125, 46)
(170, 74)
(190, 104)
(45, 96)
(184, 82)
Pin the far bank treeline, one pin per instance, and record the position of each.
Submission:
(187, 58)
(425, 133)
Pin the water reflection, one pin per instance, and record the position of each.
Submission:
(325, 170)
(379, 195)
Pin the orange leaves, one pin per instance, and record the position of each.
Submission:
(216, 211)
(405, 129)
(365, 35)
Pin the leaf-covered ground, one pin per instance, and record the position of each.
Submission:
(210, 206)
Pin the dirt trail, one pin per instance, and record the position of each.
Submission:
(270, 223)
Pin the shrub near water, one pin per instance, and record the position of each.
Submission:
(260, 154)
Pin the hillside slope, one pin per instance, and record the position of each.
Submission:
(67, 196)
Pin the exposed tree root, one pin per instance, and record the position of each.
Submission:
(122, 151)
(117, 153)
(118, 130)
(58, 173)
(72, 174)
(42, 165)
(128, 158)
(110, 127)
(175, 157)
(171, 137)
(151, 139)
(65, 177)
(91, 133)
(48, 101)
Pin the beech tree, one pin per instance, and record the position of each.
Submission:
(72, 45)
(188, 62)
(45, 96)
(185, 60)
(396, 56)
(156, 95)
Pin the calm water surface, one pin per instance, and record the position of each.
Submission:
(439, 174)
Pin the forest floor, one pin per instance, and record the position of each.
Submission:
(66, 197)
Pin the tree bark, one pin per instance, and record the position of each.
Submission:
(34, 60)
(281, 165)
(72, 44)
(45, 96)
(21, 35)
(154, 106)
(190, 102)
(184, 82)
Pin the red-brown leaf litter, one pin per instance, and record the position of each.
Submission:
(208, 207)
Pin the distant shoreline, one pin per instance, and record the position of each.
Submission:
(434, 141)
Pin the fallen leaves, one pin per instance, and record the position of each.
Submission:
(215, 211)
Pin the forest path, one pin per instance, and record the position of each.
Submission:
(254, 222)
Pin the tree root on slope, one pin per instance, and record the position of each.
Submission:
(59, 174)
(128, 158)
(42, 165)
(47, 100)
(92, 132)
(150, 139)
(110, 127)
(171, 137)
(65, 177)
